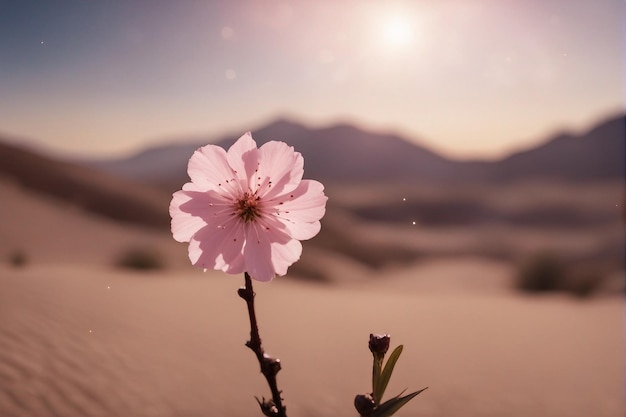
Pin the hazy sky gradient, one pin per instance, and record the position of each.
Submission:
(466, 78)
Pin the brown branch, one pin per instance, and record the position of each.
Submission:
(269, 366)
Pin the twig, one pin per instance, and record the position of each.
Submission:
(269, 366)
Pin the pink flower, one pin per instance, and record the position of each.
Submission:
(247, 209)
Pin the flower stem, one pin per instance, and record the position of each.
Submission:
(269, 366)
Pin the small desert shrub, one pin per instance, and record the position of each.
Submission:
(586, 280)
(18, 259)
(585, 285)
(141, 258)
(544, 272)
(309, 269)
(541, 272)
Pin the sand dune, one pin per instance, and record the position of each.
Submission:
(80, 338)
(90, 341)
(52, 231)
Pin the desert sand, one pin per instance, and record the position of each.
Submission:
(86, 341)
(79, 337)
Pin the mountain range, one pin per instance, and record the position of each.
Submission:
(338, 154)
(347, 154)
(357, 165)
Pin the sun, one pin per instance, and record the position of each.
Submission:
(397, 31)
(393, 30)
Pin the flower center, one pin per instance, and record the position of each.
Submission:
(248, 207)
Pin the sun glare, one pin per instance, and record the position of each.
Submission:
(397, 31)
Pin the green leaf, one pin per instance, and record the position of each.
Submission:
(381, 382)
(390, 407)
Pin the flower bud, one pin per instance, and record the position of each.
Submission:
(364, 404)
(379, 344)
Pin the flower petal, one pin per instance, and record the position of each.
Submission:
(302, 231)
(307, 203)
(282, 166)
(219, 246)
(192, 210)
(284, 255)
(301, 210)
(257, 253)
(184, 224)
(243, 158)
(269, 249)
(209, 170)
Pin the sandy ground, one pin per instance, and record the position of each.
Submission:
(90, 341)
(80, 338)
(51, 231)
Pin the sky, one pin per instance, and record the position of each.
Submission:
(468, 78)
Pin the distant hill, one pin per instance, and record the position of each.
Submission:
(87, 188)
(336, 154)
(341, 153)
(595, 155)
(399, 169)
(344, 153)
(139, 204)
